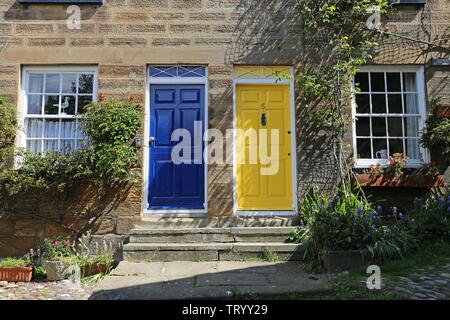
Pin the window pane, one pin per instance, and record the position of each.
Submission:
(380, 149)
(363, 126)
(393, 81)
(412, 148)
(379, 127)
(34, 128)
(67, 146)
(68, 128)
(51, 104)
(363, 148)
(409, 81)
(50, 145)
(362, 81)
(83, 101)
(52, 82)
(362, 103)
(411, 126)
(34, 104)
(395, 126)
(377, 81)
(34, 145)
(378, 103)
(395, 103)
(35, 82)
(395, 146)
(411, 103)
(85, 83)
(69, 83)
(80, 134)
(51, 128)
(67, 105)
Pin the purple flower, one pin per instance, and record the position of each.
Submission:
(400, 215)
(394, 209)
(358, 210)
(388, 230)
(379, 209)
(320, 204)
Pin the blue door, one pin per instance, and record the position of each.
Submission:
(175, 186)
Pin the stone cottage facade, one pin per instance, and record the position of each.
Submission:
(124, 46)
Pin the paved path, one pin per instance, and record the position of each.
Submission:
(44, 290)
(197, 280)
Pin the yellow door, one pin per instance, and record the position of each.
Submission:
(264, 107)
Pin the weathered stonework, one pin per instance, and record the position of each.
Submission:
(123, 37)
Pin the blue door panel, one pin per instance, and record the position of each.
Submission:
(173, 186)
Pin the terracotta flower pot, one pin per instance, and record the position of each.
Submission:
(16, 274)
(56, 270)
(91, 269)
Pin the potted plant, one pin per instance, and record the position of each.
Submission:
(56, 259)
(397, 175)
(96, 264)
(15, 270)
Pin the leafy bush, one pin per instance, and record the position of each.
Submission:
(108, 158)
(8, 128)
(347, 222)
(436, 135)
(430, 219)
(14, 262)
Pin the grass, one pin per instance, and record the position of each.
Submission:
(348, 287)
(270, 255)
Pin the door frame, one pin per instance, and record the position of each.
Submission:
(146, 145)
(265, 81)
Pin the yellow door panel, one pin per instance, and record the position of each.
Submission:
(264, 107)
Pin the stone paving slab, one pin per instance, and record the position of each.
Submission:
(203, 280)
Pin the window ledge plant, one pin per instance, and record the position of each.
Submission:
(15, 270)
(396, 174)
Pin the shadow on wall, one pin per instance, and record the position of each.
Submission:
(84, 210)
(36, 12)
(269, 33)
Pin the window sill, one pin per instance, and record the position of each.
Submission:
(381, 180)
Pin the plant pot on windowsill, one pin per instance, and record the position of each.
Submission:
(56, 270)
(341, 260)
(443, 111)
(382, 180)
(16, 274)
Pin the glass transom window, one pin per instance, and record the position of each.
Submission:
(389, 114)
(54, 101)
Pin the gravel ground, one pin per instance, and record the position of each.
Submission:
(45, 290)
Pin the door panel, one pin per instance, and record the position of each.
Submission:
(255, 190)
(173, 186)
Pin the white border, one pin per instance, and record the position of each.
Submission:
(420, 72)
(171, 80)
(23, 99)
(257, 81)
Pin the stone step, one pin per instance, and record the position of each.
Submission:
(167, 221)
(208, 235)
(212, 251)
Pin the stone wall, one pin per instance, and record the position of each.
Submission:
(123, 37)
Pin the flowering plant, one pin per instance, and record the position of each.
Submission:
(375, 169)
(56, 250)
(397, 163)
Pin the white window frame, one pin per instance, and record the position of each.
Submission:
(422, 115)
(26, 71)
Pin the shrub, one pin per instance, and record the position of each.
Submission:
(8, 128)
(347, 222)
(56, 250)
(430, 219)
(14, 262)
(436, 135)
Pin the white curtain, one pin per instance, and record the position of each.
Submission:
(411, 107)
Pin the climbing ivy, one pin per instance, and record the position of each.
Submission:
(336, 40)
(8, 128)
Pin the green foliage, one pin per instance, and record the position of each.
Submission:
(14, 262)
(430, 219)
(436, 135)
(39, 273)
(347, 222)
(270, 254)
(107, 160)
(56, 250)
(8, 128)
